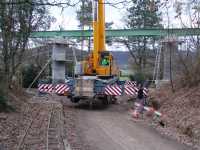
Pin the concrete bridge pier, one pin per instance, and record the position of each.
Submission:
(169, 49)
(58, 62)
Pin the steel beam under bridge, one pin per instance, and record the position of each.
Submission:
(119, 33)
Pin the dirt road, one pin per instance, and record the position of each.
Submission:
(113, 129)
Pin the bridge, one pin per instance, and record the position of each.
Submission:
(119, 33)
(174, 32)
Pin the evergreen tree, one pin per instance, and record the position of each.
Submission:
(85, 18)
(84, 14)
(142, 14)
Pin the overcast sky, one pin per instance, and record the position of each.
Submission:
(67, 18)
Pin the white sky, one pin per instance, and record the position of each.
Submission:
(67, 17)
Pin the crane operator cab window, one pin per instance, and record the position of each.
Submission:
(105, 61)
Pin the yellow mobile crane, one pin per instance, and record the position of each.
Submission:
(99, 69)
(99, 62)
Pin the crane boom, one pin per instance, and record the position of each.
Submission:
(100, 61)
(98, 29)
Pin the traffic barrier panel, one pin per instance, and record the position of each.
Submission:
(114, 90)
(145, 91)
(45, 88)
(130, 90)
(61, 88)
(50, 88)
(131, 83)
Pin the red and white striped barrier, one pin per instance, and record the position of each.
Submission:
(49, 88)
(145, 91)
(149, 109)
(113, 90)
(45, 88)
(130, 83)
(130, 90)
(61, 88)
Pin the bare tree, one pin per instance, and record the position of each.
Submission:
(17, 22)
(142, 14)
(189, 56)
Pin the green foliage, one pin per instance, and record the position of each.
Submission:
(141, 77)
(29, 73)
(84, 14)
(142, 14)
(17, 20)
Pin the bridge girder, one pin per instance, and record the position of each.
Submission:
(119, 33)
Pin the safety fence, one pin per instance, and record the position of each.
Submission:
(50, 88)
(128, 88)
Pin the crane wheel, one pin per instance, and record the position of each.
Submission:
(75, 99)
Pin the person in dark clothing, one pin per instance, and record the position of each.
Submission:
(140, 98)
(140, 93)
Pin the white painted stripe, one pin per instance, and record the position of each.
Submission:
(129, 91)
(108, 91)
(61, 90)
(116, 90)
(133, 90)
(60, 87)
(67, 89)
(41, 86)
(112, 91)
(46, 86)
(57, 86)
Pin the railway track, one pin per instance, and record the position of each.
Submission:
(44, 131)
(32, 138)
(54, 130)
